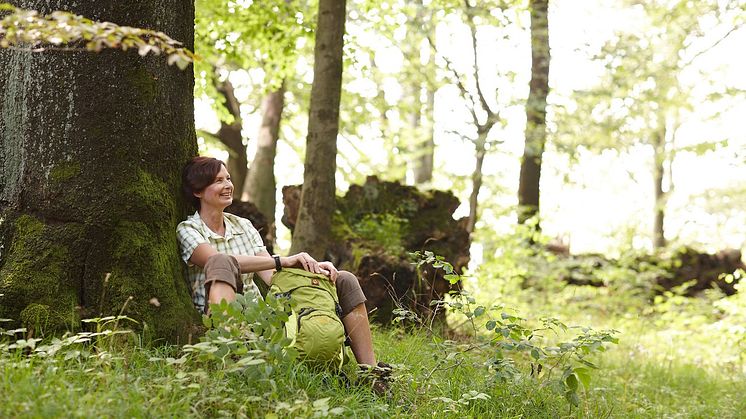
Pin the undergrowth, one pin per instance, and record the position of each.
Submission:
(508, 355)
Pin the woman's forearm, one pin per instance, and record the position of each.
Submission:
(261, 262)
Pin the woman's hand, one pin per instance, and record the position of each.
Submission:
(331, 271)
(303, 260)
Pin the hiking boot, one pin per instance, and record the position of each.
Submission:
(379, 377)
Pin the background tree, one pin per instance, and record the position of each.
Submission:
(478, 91)
(536, 112)
(313, 227)
(235, 38)
(645, 97)
(89, 179)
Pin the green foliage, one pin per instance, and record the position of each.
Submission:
(427, 258)
(386, 230)
(26, 29)
(245, 35)
(246, 335)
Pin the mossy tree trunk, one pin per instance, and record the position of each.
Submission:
(261, 186)
(536, 112)
(91, 148)
(319, 188)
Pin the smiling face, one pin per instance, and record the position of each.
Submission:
(218, 194)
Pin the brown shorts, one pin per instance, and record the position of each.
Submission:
(223, 268)
(349, 292)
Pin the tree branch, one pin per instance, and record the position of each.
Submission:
(713, 45)
(473, 30)
(464, 92)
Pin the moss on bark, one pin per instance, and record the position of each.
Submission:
(35, 281)
(92, 146)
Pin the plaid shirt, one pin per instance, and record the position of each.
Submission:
(241, 238)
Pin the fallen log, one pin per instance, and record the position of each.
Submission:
(375, 228)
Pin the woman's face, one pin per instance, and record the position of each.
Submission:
(218, 194)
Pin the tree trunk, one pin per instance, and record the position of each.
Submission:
(423, 168)
(231, 137)
(536, 110)
(91, 148)
(476, 182)
(260, 184)
(659, 240)
(319, 188)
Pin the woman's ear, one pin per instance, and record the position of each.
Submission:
(198, 195)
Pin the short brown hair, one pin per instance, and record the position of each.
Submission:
(197, 175)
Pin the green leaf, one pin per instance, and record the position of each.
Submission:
(584, 375)
(479, 311)
(572, 382)
(452, 278)
(572, 397)
(490, 325)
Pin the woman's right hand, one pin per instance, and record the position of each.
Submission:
(305, 261)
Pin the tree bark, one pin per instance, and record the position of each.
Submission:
(91, 148)
(659, 159)
(476, 182)
(260, 183)
(530, 177)
(230, 136)
(423, 167)
(319, 188)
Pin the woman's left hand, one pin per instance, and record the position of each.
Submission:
(331, 271)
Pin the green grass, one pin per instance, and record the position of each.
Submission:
(129, 384)
(673, 360)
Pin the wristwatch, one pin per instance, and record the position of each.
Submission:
(278, 265)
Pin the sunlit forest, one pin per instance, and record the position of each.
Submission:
(541, 202)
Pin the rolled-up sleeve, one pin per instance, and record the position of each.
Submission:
(189, 238)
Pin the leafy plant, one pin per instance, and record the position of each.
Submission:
(27, 29)
(245, 335)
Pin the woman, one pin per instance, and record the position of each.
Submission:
(224, 251)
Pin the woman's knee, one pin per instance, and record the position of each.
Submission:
(225, 269)
(221, 261)
(349, 292)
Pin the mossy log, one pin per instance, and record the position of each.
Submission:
(697, 270)
(702, 270)
(375, 227)
(91, 149)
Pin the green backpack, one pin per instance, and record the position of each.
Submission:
(314, 324)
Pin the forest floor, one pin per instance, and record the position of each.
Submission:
(675, 357)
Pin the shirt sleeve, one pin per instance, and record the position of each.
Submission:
(254, 237)
(189, 238)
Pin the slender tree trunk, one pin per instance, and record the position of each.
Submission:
(419, 30)
(91, 150)
(313, 227)
(231, 137)
(530, 177)
(423, 169)
(260, 184)
(659, 159)
(476, 181)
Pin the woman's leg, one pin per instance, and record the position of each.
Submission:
(355, 318)
(222, 279)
